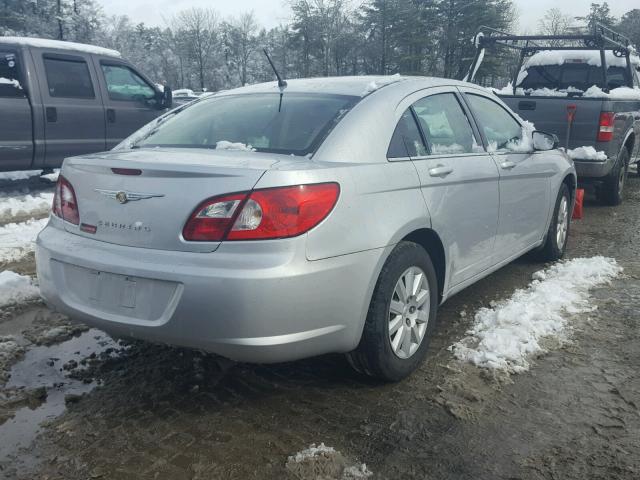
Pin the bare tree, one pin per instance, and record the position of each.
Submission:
(555, 22)
(242, 43)
(198, 32)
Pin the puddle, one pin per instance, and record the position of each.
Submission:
(42, 367)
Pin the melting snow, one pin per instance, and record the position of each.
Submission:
(9, 81)
(310, 452)
(381, 82)
(15, 288)
(586, 153)
(26, 204)
(225, 145)
(18, 239)
(506, 335)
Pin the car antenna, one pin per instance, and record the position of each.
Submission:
(281, 82)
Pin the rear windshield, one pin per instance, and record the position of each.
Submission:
(580, 76)
(294, 124)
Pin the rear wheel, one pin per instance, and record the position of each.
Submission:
(558, 233)
(401, 316)
(612, 190)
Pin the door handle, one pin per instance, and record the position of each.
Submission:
(52, 114)
(507, 165)
(440, 171)
(111, 115)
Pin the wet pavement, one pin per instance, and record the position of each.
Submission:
(136, 410)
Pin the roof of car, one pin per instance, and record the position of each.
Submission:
(354, 86)
(59, 45)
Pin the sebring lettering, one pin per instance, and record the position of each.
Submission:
(134, 227)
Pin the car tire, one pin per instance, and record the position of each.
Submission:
(612, 190)
(555, 244)
(390, 354)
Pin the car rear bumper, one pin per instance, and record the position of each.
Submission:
(250, 301)
(593, 168)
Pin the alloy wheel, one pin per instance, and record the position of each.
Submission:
(409, 312)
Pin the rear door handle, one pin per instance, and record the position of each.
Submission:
(111, 115)
(52, 114)
(440, 171)
(507, 165)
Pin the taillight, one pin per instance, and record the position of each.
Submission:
(270, 213)
(605, 128)
(65, 205)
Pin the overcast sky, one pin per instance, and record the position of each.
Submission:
(272, 12)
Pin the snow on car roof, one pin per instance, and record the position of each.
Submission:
(60, 45)
(590, 57)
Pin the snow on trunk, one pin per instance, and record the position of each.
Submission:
(15, 288)
(506, 336)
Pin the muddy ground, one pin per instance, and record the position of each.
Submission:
(120, 410)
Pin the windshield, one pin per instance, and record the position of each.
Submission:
(580, 76)
(294, 124)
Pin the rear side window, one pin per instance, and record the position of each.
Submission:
(10, 85)
(294, 123)
(445, 125)
(124, 84)
(68, 78)
(576, 75)
(406, 140)
(498, 126)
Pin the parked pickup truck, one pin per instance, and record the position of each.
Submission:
(585, 88)
(60, 99)
(553, 87)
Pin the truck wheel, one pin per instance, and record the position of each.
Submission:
(558, 233)
(401, 317)
(612, 189)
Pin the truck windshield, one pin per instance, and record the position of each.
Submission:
(580, 76)
(263, 122)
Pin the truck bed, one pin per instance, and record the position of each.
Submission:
(549, 114)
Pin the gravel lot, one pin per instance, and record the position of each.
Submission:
(75, 404)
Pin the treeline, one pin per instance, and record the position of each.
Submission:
(199, 49)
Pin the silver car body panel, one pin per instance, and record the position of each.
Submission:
(276, 300)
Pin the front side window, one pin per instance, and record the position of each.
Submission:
(445, 126)
(10, 85)
(500, 129)
(68, 78)
(406, 140)
(294, 123)
(124, 84)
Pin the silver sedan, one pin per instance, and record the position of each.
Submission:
(268, 223)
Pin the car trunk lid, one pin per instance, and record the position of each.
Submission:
(148, 202)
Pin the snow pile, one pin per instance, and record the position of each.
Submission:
(521, 145)
(26, 204)
(620, 93)
(19, 175)
(586, 153)
(18, 239)
(381, 82)
(15, 288)
(504, 337)
(225, 145)
(321, 462)
(9, 348)
(310, 452)
(439, 149)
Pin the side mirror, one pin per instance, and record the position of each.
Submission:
(543, 141)
(164, 98)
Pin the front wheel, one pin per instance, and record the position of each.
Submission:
(558, 233)
(401, 315)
